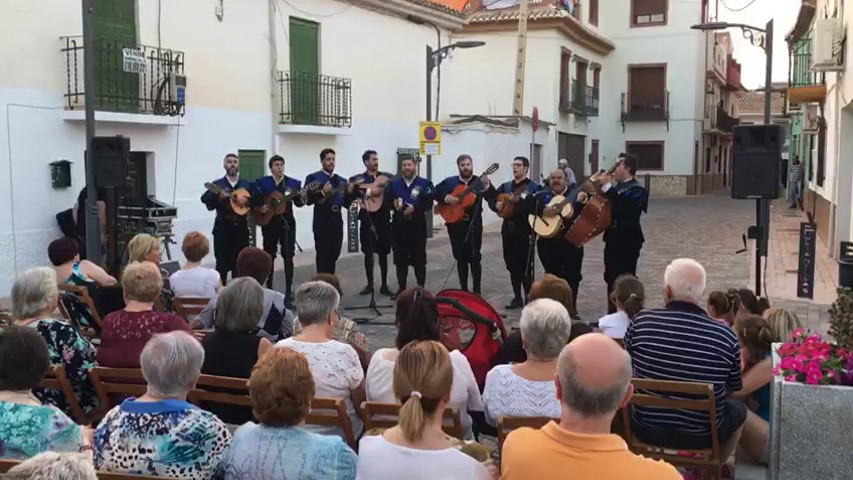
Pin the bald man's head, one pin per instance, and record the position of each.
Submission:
(594, 376)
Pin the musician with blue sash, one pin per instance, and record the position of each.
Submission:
(281, 229)
(466, 236)
(412, 197)
(230, 231)
(374, 228)
(515, 231)
(334, 195)
(558, 256)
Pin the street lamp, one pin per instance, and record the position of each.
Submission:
(760, 37)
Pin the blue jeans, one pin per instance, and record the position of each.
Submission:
(796, 193)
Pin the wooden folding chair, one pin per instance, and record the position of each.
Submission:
(83, 296)
(208, 386)
(508, 424)
(55, 379)
(332, 412)
(679, 395)
(117, 381)
(189, 308)
(386, 415)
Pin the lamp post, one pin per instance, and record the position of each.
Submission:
(760, 37)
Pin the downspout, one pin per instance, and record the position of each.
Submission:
(273, 77)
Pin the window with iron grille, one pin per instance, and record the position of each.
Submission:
(565, 60)
(649, 154)
(821, 154)
(647, 88)
(648, 12)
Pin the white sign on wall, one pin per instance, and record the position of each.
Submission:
(134, 60)
(811, 120)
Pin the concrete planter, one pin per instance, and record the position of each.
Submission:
(811, 431)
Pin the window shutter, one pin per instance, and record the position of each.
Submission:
(251, 164)
(565, 60)
(593, 12)
(648, 85)
(649, 155)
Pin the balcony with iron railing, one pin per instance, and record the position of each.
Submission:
(577, 101)
(592, 98)
(804, 84)
(128, 78)
(725, 122)
(638, 110)
(314, 100)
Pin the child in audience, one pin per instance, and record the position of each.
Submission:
(783, 323)
(755, 338)
(628, 295)
(724, 306)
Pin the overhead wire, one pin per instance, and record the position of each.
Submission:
(740, 9)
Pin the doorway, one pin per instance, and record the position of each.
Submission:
(593, 159)
(573, 148)
(535, 162)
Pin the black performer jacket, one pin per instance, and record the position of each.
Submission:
(266, 185)
(225, 217)
(517, 225)
(446, 187)
(629, 200)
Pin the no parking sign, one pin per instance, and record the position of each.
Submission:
(430, 138)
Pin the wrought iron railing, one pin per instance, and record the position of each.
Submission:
(311, 99)
(592, 96)
(645, 111)
(577, 100)
(802, 74)
(725, 122)
(128, 78)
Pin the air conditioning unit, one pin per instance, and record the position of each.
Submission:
(178, 89)
(706, 124)
(827, 46)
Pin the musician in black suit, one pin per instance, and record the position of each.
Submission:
(334, 195)
(558, 256)
(374, 228)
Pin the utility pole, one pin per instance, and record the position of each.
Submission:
(521, 57)
(93, 234)
(762, 206)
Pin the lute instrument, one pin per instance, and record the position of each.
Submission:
(596, 215)
(548, 224)
(509, 201)
(278, 203)
(331, 191)
(238, 198)
(467, 196)
(374, 202)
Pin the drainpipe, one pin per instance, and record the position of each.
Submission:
(273, 77)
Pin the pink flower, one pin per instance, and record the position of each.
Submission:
(776, 370)
(787, 363)
(814, 377)
(791, 378)
(800, 332)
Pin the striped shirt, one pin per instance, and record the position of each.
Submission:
(681, 342)
(797, 172)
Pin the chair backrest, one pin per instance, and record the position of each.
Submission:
(73, 312)
(674, 395)
(7, 464)
(55, 379)
(204, 391)
(126, 381)
(189, 307)
(332, 412)
(508, 424)
(386, 415)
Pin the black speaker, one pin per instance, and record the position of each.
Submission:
(110, 156)
(756, 161)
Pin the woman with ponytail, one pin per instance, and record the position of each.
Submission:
(417, 320)
(629, 296)
(417, 448)
(724, 306)
(756, 339)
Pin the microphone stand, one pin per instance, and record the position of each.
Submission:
(467, 234)
(530, 268)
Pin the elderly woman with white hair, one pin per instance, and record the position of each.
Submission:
(34, 299)
(52, 466)
(527, 389)
(160, 433)
(335, 366)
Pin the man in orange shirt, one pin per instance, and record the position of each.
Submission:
(593, 382)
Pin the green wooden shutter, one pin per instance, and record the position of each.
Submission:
(115, 29)
(304, 71)
(252, 164)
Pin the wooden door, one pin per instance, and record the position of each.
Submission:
(115, 30)
(305, 71)
(593, 158)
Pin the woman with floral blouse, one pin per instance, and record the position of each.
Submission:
(34, 298)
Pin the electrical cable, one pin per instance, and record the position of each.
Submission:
(723, 2)
(317, 15)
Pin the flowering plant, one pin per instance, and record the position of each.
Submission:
(808, 359)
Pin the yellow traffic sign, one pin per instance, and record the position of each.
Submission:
(430, 132)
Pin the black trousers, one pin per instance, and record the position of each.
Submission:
(518, 259)
(564, 260)
(229, 238)
(620, 257)
(328, 238)
(409, 239)
(374, 233)
(280, 233)
(466, 251)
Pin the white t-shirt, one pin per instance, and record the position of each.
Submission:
(614, 325)
(508, 394)
(336, 371)
(198, 282)
(379, 459)
(464, 394)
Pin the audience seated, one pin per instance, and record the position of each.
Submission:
(724, 306)
(160, 433)
(594, 381)
(276, 322)
(54, 466)
(125, 332)
(751, 303)
(34, 298)
(701, 349)
(282, 388)
(527, 389)
(194, 280)
(233, 348)
(417, 320)
(782, 323)
(146, 248)
(628, 296)
(756, 339)
(346, 331)
(334, 365)
(26, 426)
(417, 448)
(64, 254)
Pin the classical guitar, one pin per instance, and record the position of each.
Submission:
(548, 224)
(452, 213)
(509, 201)
(596, 215)
(377, 193)
(239, 198)
(329, 191)
(278, 203)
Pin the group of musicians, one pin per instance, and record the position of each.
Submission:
(393, 217)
